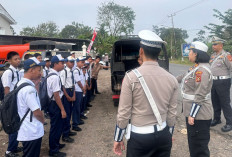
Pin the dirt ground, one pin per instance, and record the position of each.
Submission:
(96, 137)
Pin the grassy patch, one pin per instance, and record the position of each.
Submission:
(179, 61)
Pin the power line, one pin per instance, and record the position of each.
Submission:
(190, 6)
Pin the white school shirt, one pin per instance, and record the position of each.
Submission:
(7, 78)
(67, 81)
(54, 84)
(28, 98)
(78, 78)
(44, 71)
(21, 73)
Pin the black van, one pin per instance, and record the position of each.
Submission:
(124, 57)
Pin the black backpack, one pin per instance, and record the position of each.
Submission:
(9, 111)
(45, 100)
(1, 85)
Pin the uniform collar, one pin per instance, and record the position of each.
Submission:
(150, 63)
(13, 68)
(78, 68)
(46, 68)
(54, 71)
(28, 81)
(220, 53)
(68, 69)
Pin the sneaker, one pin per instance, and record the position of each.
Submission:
(77, 128)
(18, 150)
(11, 154)
(89, 105)
(58, 154)
(81, 122)
(215, 122)
(84, 117)
(226, 128)
(61, 146)
(72, 133)
(67, 139)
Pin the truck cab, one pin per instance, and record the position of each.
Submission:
(124, 57)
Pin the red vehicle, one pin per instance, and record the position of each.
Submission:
(5, 49)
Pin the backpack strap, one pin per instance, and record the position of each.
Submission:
(48, 77)
(17, 90)
(12, 74)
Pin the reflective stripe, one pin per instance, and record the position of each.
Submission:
(194, 110)
(118, 135)
(192, 97)
(148, 129)
(220, 77)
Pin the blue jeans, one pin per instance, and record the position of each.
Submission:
(76, 115)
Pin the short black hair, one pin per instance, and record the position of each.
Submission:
(37, 54)
(88, 57)
(151, 52)
(27, 56)
(11, 54)
(202, 57)
(98, 57)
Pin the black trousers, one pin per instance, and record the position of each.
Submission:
(32, 148)
(156, 144)
(198, 138)
(94, 86)
(221, 99)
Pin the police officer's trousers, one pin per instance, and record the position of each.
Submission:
(94, 86)
(32, 148)
(68, 109)
(76, 115)
(56, 122)
(198, 138)
(156, 144)
(220, 94)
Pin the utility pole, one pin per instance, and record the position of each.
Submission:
(174, 35)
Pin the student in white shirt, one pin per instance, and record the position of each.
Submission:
(56, 108)
(79, 89)
(67, 79)
(9, 79)
(21, 71)
(46, 68)
(31, 130)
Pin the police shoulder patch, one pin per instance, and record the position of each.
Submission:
(229, 57)
(198, 76)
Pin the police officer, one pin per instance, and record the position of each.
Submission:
(31, 130)
(149, 135)
(221, 68)
(67, 79)
(197, 106)
(56, 108)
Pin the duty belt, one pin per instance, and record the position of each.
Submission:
(148, 129)
(192, 97)
(220, 77)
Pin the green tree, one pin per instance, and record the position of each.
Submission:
(76, 30)
(200, 36)
(223, 31)
(167, 35)
(48, 29)
(116, 19)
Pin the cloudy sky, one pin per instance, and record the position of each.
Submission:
(148, 12)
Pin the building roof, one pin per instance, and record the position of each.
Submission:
(6, 15)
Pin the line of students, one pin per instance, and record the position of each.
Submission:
(69, 90)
